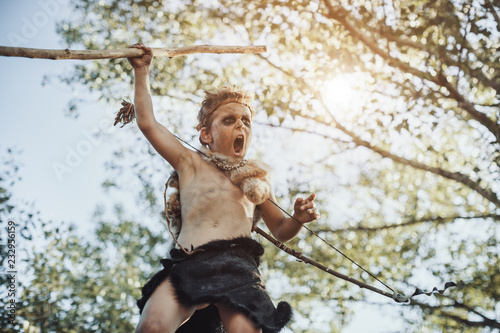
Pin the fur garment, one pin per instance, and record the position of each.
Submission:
(220, 272)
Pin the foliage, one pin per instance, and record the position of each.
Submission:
(88, 285)
(70, 283)
(24, 216)
(407, 170)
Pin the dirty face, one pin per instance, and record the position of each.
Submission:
(231, 130)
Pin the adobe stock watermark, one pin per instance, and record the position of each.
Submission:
(83, 148)
(31, 25)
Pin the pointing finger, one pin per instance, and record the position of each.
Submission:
(311, 197)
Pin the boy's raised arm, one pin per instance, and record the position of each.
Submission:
(160, 138)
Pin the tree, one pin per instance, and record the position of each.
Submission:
(407, 170)
(82, 284)
(22, 217)
(434, 92)
(69, 282)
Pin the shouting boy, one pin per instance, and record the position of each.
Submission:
(212, 274)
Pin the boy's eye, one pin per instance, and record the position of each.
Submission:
(231, 120)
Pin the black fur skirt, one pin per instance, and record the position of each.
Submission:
(225, 272)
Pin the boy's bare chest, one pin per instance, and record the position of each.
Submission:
(211, 185)
(211, 191)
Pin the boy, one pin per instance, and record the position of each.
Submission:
(214, 266)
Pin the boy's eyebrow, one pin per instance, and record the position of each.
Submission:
(245, 116)
(202, 123)
(233, 113)
(232, 116)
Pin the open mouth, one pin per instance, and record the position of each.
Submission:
(238, 144)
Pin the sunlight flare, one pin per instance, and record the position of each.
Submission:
(344, 95)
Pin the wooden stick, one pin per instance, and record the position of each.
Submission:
(124, 53)
(308, 260)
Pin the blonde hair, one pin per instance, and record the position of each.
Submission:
(223, 96)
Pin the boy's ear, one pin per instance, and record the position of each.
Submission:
(206, 137)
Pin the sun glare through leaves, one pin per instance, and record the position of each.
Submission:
(344, 95)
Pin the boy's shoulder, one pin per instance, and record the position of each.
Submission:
(191, 162)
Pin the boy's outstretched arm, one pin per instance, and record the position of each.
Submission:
(160, 138)
(283, 227)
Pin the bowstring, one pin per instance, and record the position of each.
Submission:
(330, 245)
(304, 226)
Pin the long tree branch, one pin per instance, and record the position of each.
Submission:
(395, 36)
(445, 58)
(487, 322)
(492, 126)
(342, 16)
(438, 219)
(470, 309)
(303, 130)
(456, 176)
(469, 107)
(124, 53)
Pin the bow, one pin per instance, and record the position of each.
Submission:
(399, 298)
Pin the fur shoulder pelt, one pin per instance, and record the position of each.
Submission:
(173, 203)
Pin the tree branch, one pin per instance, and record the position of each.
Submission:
(124, 53)
(462, 305)
(293, 129)
(489, 5)
(445, 58)
(438, 219)
(483, 119)
(456, 176)
(442, 56)
(341, 15)
(487, 322)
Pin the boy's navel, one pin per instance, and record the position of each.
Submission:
(215, 224)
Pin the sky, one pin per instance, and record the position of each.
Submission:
(59, 155)
(62, 162)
